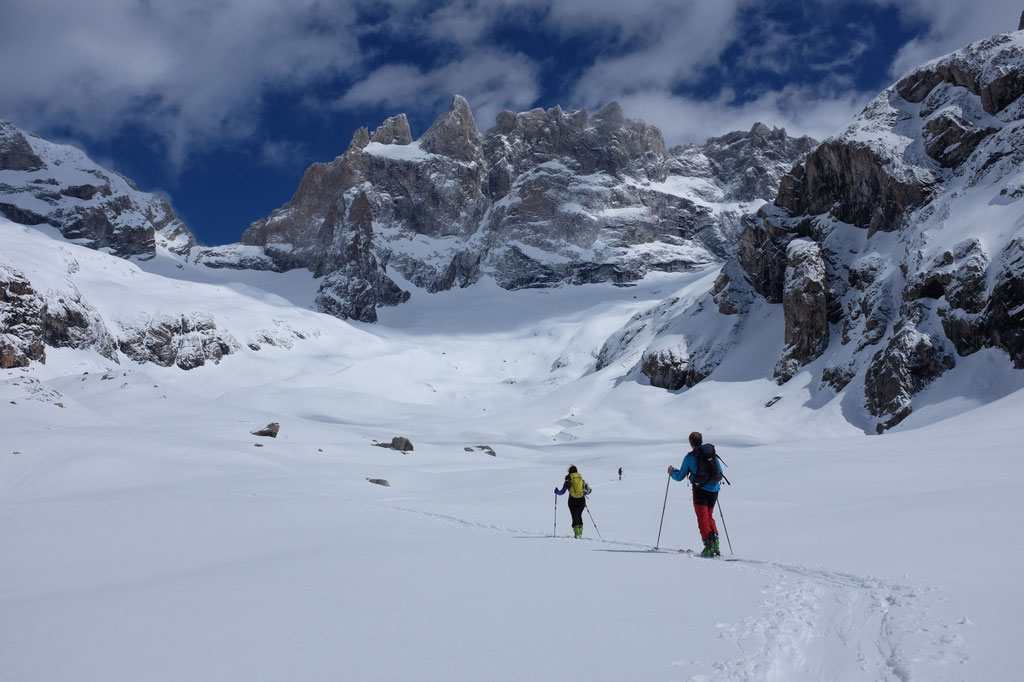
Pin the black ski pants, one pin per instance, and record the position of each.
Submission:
(576, 507)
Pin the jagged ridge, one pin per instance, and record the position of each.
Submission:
(543, 197)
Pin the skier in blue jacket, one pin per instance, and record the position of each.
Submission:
(705, 490)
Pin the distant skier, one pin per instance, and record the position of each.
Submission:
(578, 490)
(620, 473)
(702, 466)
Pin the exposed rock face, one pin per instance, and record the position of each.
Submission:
(987, 69)
(667, 369)
(544, 197)
(873, 177)
(41, 182)
(358, 285)
(71, 322)
(853, 184)
(950, 139)
(188, 341)
(1005, 308)
(454, 134)
(15, 152)
(21, 321)
(909, 362)
(395, 130)
(750, 163)
(805, 308)
(902, 236)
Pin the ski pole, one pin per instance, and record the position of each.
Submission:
(592, 521)
(724, 527)
(663, 504)
(554, 528)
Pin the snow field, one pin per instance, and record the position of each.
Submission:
(146, 537)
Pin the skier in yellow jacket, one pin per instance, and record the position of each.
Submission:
(578, 490)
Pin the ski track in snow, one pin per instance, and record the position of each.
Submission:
(815, 623)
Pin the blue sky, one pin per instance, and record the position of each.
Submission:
(222, 105)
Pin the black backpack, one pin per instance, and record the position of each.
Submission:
(708, 469)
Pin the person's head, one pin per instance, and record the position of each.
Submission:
(572, 469)
(696, 439)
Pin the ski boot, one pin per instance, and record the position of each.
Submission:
(715, 547)
(577, 532)
(708, 551)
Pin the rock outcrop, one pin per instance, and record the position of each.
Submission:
(21, 321)
(57, 185)
(185, 341)
(965, 113)
(891, 250)
(804, 307)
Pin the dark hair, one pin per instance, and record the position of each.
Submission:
(696, 439)
(572, 469)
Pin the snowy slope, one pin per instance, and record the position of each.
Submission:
(147, 537)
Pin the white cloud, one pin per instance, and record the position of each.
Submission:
(196, 72)
(951, 26)
(800, 111)
(491, 81)
(191, 70)
(673, 45)
(281, 153)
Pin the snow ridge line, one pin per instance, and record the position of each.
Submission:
(815, 621)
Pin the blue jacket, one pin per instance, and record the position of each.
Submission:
(689, 468)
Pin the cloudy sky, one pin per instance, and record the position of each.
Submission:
(222, 104)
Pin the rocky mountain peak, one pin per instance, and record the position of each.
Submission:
(1020, 26)
(394, 130)
(610, 115)
(545, 196)
(58, 185)
(748, 164)
(454, 133)
(360, 138)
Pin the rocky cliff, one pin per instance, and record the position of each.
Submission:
(544, 197)
(892, 250)
(42, 183)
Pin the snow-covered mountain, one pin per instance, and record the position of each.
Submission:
(890, 252)
(60, 295)
(42, 183)
(893, 250)
(543, 197)
(151, 533)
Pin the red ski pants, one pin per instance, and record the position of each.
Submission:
(704, 505)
